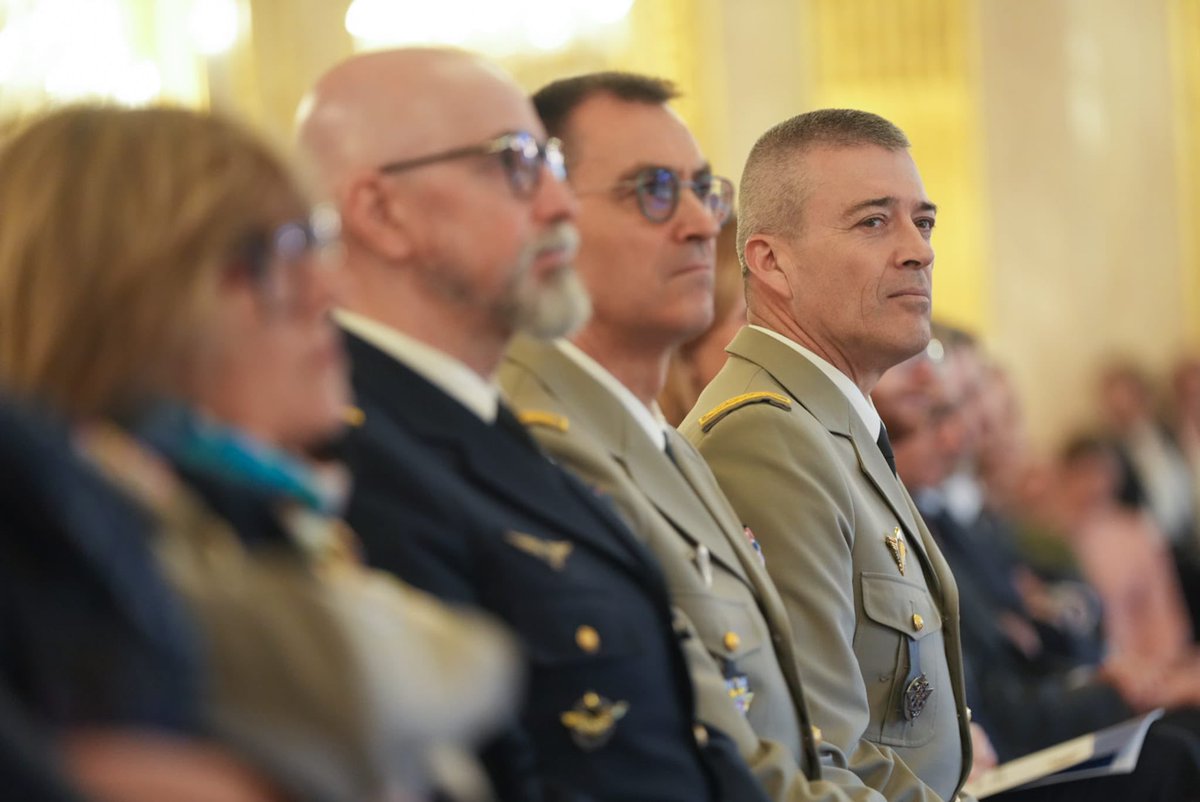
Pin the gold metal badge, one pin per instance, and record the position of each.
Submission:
(898, 548)
(552, 552)
(592, 720)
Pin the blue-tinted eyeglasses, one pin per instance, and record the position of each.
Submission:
(519, 151)
(290, 244)
(658, 189)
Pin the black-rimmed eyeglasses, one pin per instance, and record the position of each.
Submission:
(519, 151)
(658, 190)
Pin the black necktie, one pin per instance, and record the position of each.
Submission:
(885, 446)
(670, 452)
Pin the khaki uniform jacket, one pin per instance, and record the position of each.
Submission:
(741, 628)
(797, 463)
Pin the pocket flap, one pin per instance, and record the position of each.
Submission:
(900, 604)
(727, 628)
(565, 630)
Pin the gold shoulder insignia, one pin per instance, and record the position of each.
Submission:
(353, 416)
(710, 418)
(533, 417)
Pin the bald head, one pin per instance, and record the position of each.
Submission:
(398, 104)
(462, 240)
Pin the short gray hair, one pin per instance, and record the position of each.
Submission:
(770, 197)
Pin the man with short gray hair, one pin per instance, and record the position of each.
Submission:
(834, 240)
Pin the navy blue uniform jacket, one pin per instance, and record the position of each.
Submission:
(475, 513)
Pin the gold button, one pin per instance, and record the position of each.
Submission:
(732, 641)
(353, 416)
(816, 733)
(700, 733)
(588, 639)
(918, 622)
(591, 700)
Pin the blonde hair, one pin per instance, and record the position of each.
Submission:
(115, 227)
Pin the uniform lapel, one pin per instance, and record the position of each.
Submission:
(705, 488)
(668, 487)
(503, 460)
(813, 390)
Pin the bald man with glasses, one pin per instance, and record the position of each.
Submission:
(650, 211)
(459, 234)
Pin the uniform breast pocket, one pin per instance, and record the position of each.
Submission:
(565, 630)
(586, 658)
(730, 631)
(735, 635)
(903, 658)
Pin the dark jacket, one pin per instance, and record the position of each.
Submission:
(476, 514)
(90, 633)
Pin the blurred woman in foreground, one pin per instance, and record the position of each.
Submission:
(165, 288)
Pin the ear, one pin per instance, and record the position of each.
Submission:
(766, 256)
(377, 219)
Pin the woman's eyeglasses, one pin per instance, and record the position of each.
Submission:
(266, 255)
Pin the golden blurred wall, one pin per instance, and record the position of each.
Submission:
(1184, 23)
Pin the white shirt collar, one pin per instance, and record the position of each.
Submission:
(858, 400)
(649, 419)
(453, 377)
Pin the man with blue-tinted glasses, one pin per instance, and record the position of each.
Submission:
(458, 232)
(650, 212)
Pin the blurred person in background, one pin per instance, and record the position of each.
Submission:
(1185, 408)
(1155, 473)
(1005, 456)
(166, 288)
(695, 362)
(1124, 556)
(971, 514)
(1185, 425)
(1021, 700)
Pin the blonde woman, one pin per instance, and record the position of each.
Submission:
(165, 287)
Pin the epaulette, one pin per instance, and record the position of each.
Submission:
(534, 417)
(353, 416)
(710, 418)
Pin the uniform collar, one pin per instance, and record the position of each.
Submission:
(649, 419)
(858, 400)
(448, 374)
